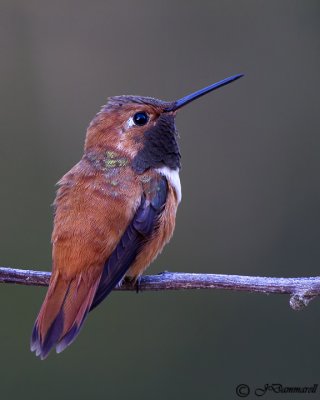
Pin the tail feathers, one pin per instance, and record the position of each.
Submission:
(62, 314)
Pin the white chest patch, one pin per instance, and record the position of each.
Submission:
(173, 177)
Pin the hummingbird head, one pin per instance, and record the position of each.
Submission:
(141, 130)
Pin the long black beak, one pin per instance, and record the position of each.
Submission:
(193, 96)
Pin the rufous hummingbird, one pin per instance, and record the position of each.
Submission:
(114, 211)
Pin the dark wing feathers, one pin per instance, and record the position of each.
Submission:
(140, 229)
(75, 302)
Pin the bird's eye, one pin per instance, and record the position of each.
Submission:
(140, 118)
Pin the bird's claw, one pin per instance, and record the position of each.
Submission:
(134, 282)
(137, 284)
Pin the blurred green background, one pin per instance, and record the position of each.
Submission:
(250, 178)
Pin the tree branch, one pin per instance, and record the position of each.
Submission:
(301, 290)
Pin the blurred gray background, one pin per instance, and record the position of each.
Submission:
(250, 178)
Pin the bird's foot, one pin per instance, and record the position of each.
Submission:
(134, 282)
(138, 284)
